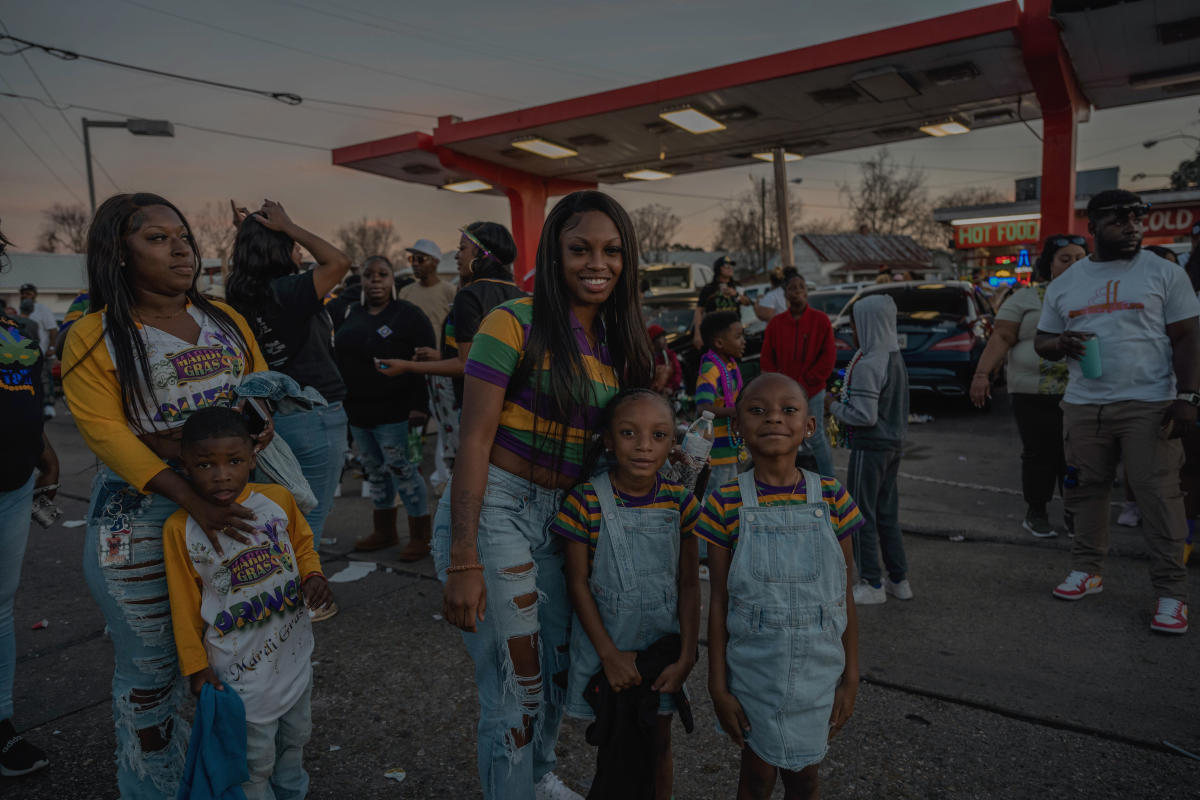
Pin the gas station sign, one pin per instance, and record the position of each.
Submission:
(1159, 222)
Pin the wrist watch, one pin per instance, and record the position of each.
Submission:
(1191, 398)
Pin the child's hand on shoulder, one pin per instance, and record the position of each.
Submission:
(671, 679)
(621, 670)
(731, 716)
(206, 675)
(843, 704)
(317, 593)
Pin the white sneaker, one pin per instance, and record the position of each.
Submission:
(551, 787)
(1130, 516)
(900, 591)
(48, 411)
(867, 595)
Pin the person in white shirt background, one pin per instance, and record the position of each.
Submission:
(47, 327)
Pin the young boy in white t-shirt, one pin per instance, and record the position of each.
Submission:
(239, 617)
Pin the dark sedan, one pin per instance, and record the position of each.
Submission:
(942, 326)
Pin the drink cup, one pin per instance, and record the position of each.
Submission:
(1090, 363)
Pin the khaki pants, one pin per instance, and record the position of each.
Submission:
(1094, 437)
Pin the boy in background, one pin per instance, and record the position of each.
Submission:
(717, 391)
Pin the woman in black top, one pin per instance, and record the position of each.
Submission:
(381, 407)
(720, 294)
(286, 310)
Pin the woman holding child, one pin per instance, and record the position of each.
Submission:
(153, 351)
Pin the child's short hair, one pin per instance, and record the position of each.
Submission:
(716, 323)
(215, 422)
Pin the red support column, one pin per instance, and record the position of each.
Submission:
(1062, 101)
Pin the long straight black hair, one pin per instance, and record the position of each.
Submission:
(260, 255)
(110, 290)
(566, 385)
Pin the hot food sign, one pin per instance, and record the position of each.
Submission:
(1159, 222)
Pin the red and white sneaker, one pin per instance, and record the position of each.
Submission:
(1170, 616)
(1078, 585)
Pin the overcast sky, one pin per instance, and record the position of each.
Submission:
(472, 59)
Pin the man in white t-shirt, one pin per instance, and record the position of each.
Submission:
(775, 301)
(1143, 313)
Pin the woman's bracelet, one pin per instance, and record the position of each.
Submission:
(463, 568)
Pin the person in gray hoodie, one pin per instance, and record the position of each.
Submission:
(874, 408)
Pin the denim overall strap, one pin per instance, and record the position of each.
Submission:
(616, 540)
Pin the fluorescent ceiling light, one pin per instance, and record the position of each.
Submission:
(950, 127)
(1004, 218)
(647, 175)
(691, 120)
(769, 155)
(467, 186)
(543, 148)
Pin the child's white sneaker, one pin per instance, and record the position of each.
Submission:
(900, 591)
(867, 595)
(551, 787)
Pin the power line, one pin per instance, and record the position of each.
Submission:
(38, 156)
(45, 131)
(287, 98)
(177, 124)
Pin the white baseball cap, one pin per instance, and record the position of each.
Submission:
(426, 247)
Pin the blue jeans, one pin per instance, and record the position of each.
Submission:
(384, 453)
(818, 443)
(522, 560)
(318, 440)
(275, 753)
(148, 694)
(15, 508)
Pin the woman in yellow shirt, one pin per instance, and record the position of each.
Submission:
(152, 352)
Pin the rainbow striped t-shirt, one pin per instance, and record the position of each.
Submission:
(495, 353)
(710, 391)
(719, 517)
(579, 518)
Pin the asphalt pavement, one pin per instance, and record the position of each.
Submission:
(983, 686)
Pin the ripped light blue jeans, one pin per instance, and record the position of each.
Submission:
(148, 694)
(384, 453)
(527, 604)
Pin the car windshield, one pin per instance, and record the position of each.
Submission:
(670, 278)
(673, 320)
(928, 299)
(829, 302)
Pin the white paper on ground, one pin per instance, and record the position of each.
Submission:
(74, 523)
(355, 570)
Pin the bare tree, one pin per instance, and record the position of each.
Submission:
(214, 231)
(750, 225)
(369, 237)
(971, 196)
(889, 198)
(655, 226)
(65, 229)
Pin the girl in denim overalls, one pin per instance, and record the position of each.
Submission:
(632, 564)
(782, 632)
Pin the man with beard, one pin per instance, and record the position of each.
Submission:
(1132, 400)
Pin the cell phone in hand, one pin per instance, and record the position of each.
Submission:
(256, 418)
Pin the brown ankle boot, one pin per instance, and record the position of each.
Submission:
(420, 531)
(384, 533)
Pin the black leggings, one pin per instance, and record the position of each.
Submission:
(1043, 465)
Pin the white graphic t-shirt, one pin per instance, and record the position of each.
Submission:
(185, 377)
(246, 606)
(1128, 305)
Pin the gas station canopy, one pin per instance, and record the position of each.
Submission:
(993, 65)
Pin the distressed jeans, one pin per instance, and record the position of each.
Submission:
(148, 694)
(384, 453)
(275, 753)
(15, 508)
(526, 602)
(317, 438)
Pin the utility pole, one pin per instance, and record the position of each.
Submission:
(762, 221)
(138, 127)
(782, 210)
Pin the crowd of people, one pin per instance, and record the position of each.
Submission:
(570, 559)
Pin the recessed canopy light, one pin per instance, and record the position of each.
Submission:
(947, 127)
(769, 155)
(543, 148)
(691, 120)
(647, 174)
(463, 187)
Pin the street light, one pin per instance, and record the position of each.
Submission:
(1151, 142)
(138, 127)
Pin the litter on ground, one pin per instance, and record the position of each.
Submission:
(355, 570)
(396, 774)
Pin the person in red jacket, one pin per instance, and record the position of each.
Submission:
(668, 375)
(799, 343)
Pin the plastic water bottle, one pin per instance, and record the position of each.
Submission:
(697, 444)
(415, 444)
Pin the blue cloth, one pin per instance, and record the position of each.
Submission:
(317, 439)
(284, 393)
(216, 757)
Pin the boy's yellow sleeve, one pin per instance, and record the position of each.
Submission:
(183, 584)
(307, 560)
(94, 397)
